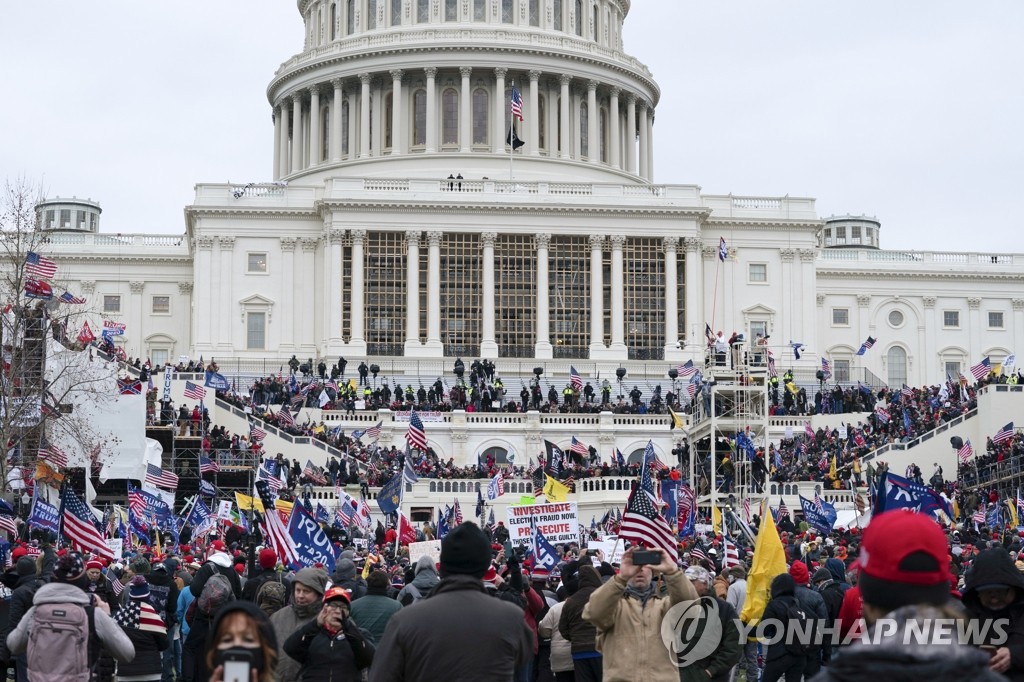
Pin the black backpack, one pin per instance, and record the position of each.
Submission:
(797, 629)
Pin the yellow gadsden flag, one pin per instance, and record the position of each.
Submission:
(769, 561)
(676, 421)
(716, 519)
(555, 491)
(247, 503)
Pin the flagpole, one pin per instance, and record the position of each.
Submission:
(511, 140)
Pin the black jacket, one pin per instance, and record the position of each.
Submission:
(783, 598)
(332, 659)
(221, 563)
(994, 567)
(253, 584)
(148, 646)
(163, 595)
(21, 600)
(580, 633)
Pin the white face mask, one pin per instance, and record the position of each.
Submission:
(731, 579)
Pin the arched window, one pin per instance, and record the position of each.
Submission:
(578, 28)
(542, 122)
(396, 12)
(451, 10)
(371, 15)
(636, 457)
(388, 119)
(334, 21)
(422, 11)
(897, 366)
(419, 117)
(534, 12)
(450, 117)
(500, 455)
(584, 130)
(344, 128)
(507, 15)
(480, 111)
(350, 17)
(602, 131)
(558, 15)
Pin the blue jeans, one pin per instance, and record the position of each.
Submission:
(170, 658)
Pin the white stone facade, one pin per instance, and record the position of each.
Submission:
(565, 250)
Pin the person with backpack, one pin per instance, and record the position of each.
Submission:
(66, 619)
(267, 562)
(782, 659)
(141, 621)
(814, 606)
(373, 611)
(425, 579)
(218, 561)
(308, 588)
(320, 645)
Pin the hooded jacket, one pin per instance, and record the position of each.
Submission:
(580, 633)
(426, 580)
(222, 563)
(292, 617)
(114, 640)
(783, 591)
(838, 570)
(994, 567)
(345, 576)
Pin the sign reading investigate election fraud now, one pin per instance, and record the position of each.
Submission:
(558, 522)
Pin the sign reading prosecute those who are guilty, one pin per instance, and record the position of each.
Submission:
(558, 522)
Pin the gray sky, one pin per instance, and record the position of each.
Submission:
(910, 111)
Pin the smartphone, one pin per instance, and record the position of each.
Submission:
(237, 666)
(646, 558)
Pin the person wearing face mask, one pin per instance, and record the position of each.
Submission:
(331, 647)
(995, 590)
(242, 630)
(306, 594)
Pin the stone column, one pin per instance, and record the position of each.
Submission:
(306, 284)
(1018, 322)
(412, 297)
(205, 332)
(617, 296)
(296, 133)
(185, 291)
(931, 332)
(488, 344)
(135, 316)
(288, 286)
(397, 146)
(974, 326)
(334, 340)
(672, 345)
(465, 112)
(692, 311)
(336, 132)
(431, 140)
(276, 169)
(224, 292)
(377, 114)
(644, 157)
(543, 345)
(284, 155)
(353, 124)
(357, 306)
(596, 294)
(614, 140)
(533, 116)
(434, 291)
(593, 118)
(499, 132)
(364, 116)
(650, 144)
(566, 142)
(630, 136)
(314, 126)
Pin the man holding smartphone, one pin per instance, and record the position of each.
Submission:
(627, 612)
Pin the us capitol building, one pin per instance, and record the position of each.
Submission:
(399, 225)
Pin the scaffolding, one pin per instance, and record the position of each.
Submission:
(731, 410)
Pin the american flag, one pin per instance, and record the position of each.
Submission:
(979, 516)
(194, 391)
(207, 465)
(1004, 434)
(344, 515)
(575, 380)
(746, 509)
(136, 502)
(39, 266)
(255, 432)
(772, 372)
(416, 436)
(273, 481)
(579, 447)
(274, 529)
(54, 456)
(641, 521)
(906, 391)
(965, 451)
(697, 553)
(375, 430)
(8, 520)
(866, 345)
(817, 504)
(160, 478)
(808, 430)
(80, 526)
(686, 369)
(457, 513)
(658, 464)
(517, 103)
(692, 388)
(68, 297)
(783, 509)
(826, 369)
(314, 473)
(284, 417)
(732, 554)
(981, 370)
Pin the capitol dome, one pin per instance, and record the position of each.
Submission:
(422, 88)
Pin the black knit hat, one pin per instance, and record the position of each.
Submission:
(465, 551)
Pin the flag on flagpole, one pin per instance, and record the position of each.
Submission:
(274, 529)
(416, 436)
(517, 103)
(866, 345)
(68, 297)
(156, 476)
(981, 370)
(731, 557)
(575, 380)
(1004, 434)
(40, 267)
(686, 370)
(255, 432)
(194, 391)
(641, 521)
(769, 562)
(496, 487)
(826, 369)
(80, 527)
(723, 251)
(208, 465)
(797, 347)
(965, 451)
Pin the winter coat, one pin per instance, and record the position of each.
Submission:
(994, 567)
(783, 599)
(561, 650)
(163, 595)
(426, 579)
(890, 658)
(345, 576)
(109, 633)
(629, 633)
(21, 599)
(581, 634)
(292, 618)
(254, 583)
(219, 562)
(327, 658)
(719, 664)
(148, 647)
(420, 642)
(373, 612)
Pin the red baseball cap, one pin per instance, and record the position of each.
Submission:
(903, 561)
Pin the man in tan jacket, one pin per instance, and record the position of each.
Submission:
(627, 612)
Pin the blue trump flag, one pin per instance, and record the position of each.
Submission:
(321, 514)
(442, 523)
(822, 519)
(312, 545)
(216, 381)
(668, 495)
(901, 493)
(44, 515)
(390, 496)
(544, 551)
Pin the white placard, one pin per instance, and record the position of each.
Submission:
(116, 546)
(430, 548)
(558, 522)
(224, 509)
(359, 543)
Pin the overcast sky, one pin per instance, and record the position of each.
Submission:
(910, 111)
